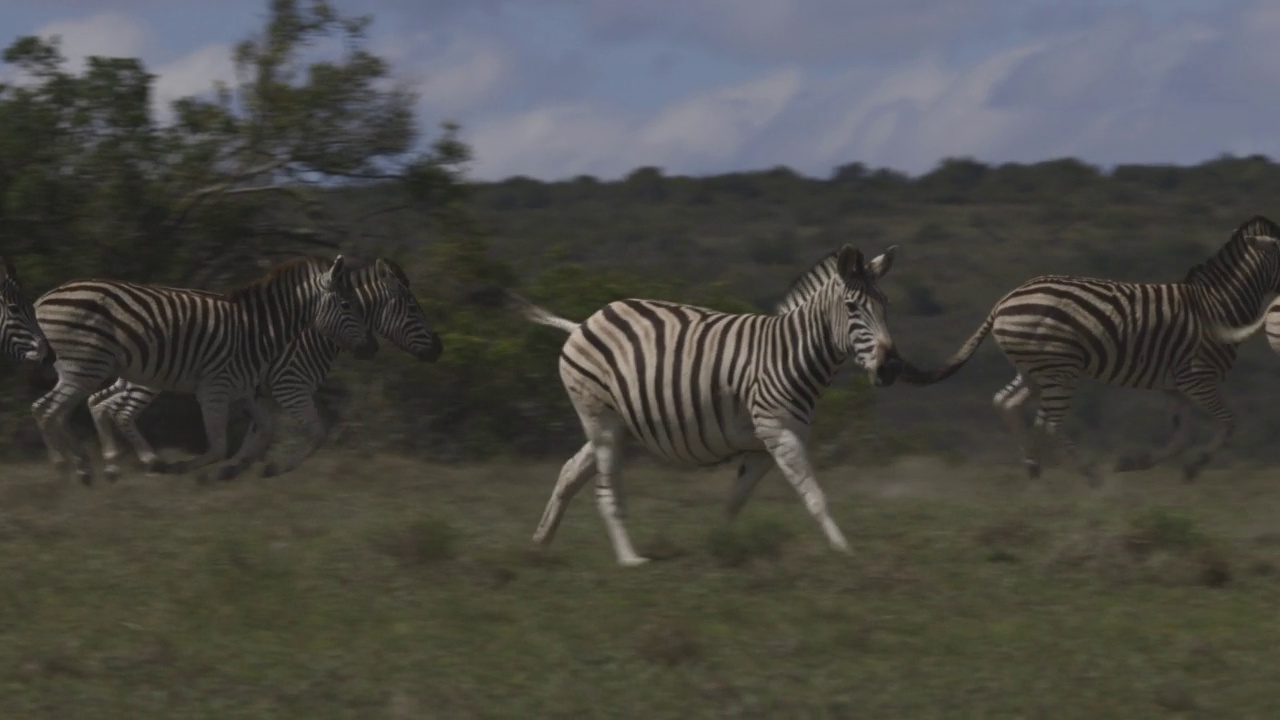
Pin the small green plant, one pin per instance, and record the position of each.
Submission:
(1162, 529)
(427, 541)
(737, 544)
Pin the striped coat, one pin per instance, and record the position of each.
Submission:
(1057, 330)
(701, 387)
(214, 346)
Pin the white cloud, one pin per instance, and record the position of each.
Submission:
(1115, 86)
(191, 74)
(452, 76)
(105, 34)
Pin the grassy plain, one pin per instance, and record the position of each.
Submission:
(386, 588)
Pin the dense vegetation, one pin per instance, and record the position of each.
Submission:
(320, 154)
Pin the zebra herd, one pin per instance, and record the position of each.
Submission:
(692, 385)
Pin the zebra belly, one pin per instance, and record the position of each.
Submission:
(707, 432)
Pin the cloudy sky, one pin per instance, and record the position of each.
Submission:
(557, 88)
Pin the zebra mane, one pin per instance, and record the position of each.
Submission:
(808, 282)
(292, 265)
(1256, 225)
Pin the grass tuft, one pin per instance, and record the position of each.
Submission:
(739, 543)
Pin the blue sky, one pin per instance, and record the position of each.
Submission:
(556, 88)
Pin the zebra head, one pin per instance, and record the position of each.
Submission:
(396, 315)
(1269, 245)
(866, 334)
(338, 315)
(20, 336)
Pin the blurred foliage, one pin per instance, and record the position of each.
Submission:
(316, 149)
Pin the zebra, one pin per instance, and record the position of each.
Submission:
(215, 346)
(385, 299)
(20, 335)
(702, 387)
(1171, 337)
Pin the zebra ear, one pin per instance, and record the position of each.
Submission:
(881, 263)
(384, 270)
(336, 273)
(850, 262)
(9, 270)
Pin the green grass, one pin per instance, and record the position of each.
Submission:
(388, 588)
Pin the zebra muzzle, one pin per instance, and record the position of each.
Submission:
(889, 370)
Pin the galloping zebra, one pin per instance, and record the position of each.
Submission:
(216, 346)
(387, 303)
(1171, 337)
(20, 335)
(701, 387)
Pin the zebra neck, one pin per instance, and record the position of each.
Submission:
(1232, 284)
(278, 312)
(319, 351)
(1235, 294)
(813, 351)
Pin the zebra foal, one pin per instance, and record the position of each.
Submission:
(190, 341)
(20, 335)
(385, 300)
(1171, 337)
(700, 387)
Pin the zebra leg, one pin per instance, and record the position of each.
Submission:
(1204, 393)
(753, 467)
(573, 477)
(301, 408)
(124, 411)
(52, 412)
(215, 411)
(238, 464)
(1055, 403)
(1009, 402)
(101, 408)
(788, 451)
(119, 406)
(1177, 441)
(607, 445)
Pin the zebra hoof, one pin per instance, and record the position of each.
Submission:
(1130, 463)
(225, 473)
(158, 467)
(1192, 469)
(111, 473)
(270, 470)
(1033, 469)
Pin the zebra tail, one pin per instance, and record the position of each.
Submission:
(915, 376)
(1237, 335)
(541, 316)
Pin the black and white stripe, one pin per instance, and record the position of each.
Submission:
(700, 387)
(215, 346)
(1170, 337)
(386, 301)
(20, 335)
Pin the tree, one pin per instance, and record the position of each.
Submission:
(88, 171)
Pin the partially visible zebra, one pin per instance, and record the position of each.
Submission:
(214, 346)
(385, 299)
(700, 387)
(20, 335)
(1056, 329)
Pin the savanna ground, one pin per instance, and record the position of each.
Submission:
(384, 587)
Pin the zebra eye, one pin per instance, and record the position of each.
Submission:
(13, 308)
(345, 305)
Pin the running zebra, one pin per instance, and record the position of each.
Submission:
(1170, 337)
(20, 335)
(700, 387)
(385, 299)
(216, 346)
